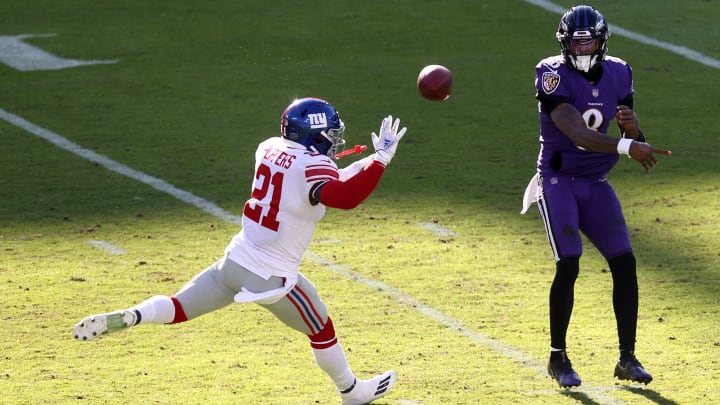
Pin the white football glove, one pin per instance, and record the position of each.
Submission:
(386, 143)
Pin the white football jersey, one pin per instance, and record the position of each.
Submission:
(278, 220)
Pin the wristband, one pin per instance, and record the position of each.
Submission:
(623, 146)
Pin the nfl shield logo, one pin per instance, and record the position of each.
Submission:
(550, 82)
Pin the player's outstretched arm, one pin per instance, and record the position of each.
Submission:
(355, 167)
(350, 193)
(569, 120)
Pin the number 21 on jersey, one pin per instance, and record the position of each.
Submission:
(266, 182)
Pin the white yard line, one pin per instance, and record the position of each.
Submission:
(18, 54)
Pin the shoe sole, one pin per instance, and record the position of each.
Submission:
(98, 325)
(567, 385)
(626, 376)
(90, 328)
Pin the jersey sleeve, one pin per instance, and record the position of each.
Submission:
(349, 194)
(321, 170)
(318, 172)
(549, 78)
(550, 88)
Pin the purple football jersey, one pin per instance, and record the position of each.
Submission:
(596, 102)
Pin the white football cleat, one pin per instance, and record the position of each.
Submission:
(98, 325)
(366, 391)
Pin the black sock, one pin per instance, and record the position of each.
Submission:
(562, 296)
(625, 299)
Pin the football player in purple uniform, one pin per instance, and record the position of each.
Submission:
(295, 180)
(579, 92)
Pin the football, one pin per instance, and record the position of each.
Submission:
(435, 82)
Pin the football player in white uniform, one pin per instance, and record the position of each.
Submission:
(295, 180)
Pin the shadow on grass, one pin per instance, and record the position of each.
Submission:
(580, 397)
(651, 395)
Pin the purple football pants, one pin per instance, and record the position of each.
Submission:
(570, 205)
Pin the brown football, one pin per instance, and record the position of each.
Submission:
(435, 82)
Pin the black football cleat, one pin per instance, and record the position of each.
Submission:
(629, 368)
(561, 370)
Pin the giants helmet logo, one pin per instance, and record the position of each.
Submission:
(318, 120)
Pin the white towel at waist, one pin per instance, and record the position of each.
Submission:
(532, 193)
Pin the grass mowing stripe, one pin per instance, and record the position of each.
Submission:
(688, 53)
(518, 356)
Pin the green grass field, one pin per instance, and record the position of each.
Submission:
(462, 317)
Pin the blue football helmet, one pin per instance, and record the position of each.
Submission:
(315, 123)
(583, 35)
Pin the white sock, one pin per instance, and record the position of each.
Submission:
(157, 309)
(333, 362)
